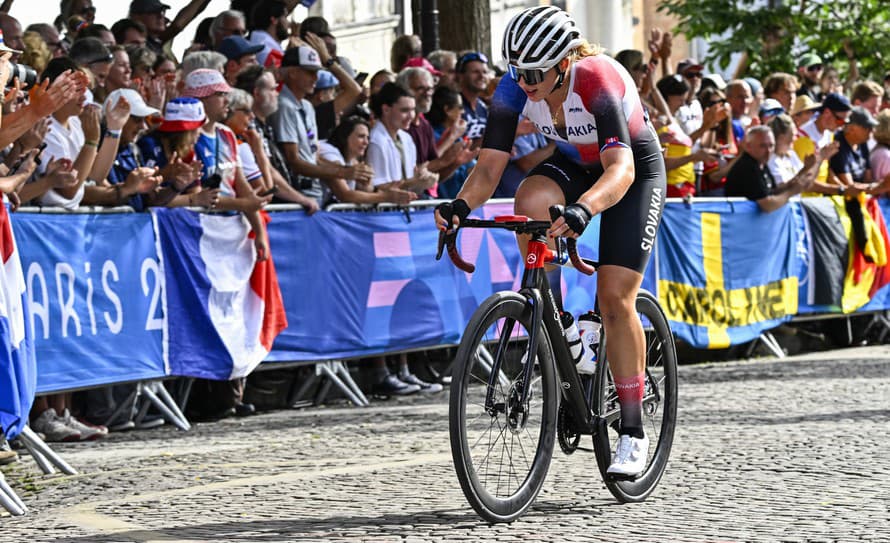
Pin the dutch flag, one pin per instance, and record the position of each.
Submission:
(18, 367)
(229, 308)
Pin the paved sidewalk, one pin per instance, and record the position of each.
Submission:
(765, 451)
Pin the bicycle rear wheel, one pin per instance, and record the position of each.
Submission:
(502, 452)
(659, 405)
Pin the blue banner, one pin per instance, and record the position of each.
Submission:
(360, 283)
(94, 291)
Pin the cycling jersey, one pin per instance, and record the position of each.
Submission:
(602, 111)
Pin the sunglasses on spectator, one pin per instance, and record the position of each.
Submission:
(470, 57)
(716, 102)
(532, 77)
(814, 68)
(644, 68)
(839, 119)
(238, 31)
(89, 10)
(693, 75)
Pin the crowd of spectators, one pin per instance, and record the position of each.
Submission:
(790, 134)
(260, 109)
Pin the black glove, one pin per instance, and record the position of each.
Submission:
(456, 208)
(577, 217)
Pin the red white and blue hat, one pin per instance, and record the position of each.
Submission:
(4, 48)
(204, 82)
(183, 113)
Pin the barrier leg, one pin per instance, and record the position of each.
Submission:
(769, 340)
(45, 465)
(293, 399)
(162, 393)
(126, 405)
(325, 387)
(178, 420)
(330, 372)
(33, 442)
(340, 369)
(10, 500)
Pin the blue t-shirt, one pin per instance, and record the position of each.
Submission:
(849, 159)
(128, 159)
(477, 119)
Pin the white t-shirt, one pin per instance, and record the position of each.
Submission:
(690, 117)
(61, 142)
(328, 152)
(784, 168)
(248, 162)
(384, 156)
(820, 138)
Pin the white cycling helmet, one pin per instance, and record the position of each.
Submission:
(538, 38)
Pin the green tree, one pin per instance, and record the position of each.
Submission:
(773, 35)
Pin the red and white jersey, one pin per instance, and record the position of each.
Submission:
(602, 110)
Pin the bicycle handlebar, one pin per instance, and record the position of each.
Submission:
(520, 225)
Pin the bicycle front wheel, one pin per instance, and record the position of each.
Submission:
(659, 405)
(500, 444)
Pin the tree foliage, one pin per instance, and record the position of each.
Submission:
(774, 35)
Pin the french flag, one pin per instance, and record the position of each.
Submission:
(18, 365)
(230, 308)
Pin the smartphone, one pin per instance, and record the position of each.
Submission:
(40, 149)
(212, 182)
(361, 77)
(269, 192)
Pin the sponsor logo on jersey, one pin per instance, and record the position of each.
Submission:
(578, 131)
(652, 218)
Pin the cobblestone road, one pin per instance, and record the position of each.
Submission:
(765, 451)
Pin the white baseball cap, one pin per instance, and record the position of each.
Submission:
(138, 107)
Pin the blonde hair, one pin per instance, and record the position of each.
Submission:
(586, 49)
(36, 54)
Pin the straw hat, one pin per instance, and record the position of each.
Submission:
(804, 103)
(882, 131)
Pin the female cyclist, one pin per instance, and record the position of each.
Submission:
(607, 161)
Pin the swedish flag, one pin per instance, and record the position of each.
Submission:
(726, 271)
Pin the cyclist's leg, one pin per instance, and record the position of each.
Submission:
(533, 199)
(627, 236)
(555, 181)
(617, 288)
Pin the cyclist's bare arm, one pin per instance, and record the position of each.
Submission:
(484, 177)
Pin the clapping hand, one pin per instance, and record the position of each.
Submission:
(116, 117)
(142, 180)
(60, 174)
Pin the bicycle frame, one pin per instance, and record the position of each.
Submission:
(536, 290)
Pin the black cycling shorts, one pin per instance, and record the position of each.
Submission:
(627, 229)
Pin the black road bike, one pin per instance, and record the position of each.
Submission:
(507, 406)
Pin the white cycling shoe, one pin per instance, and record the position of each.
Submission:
(630, 456)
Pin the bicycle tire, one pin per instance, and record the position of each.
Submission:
(480, 486)
(659, 409)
